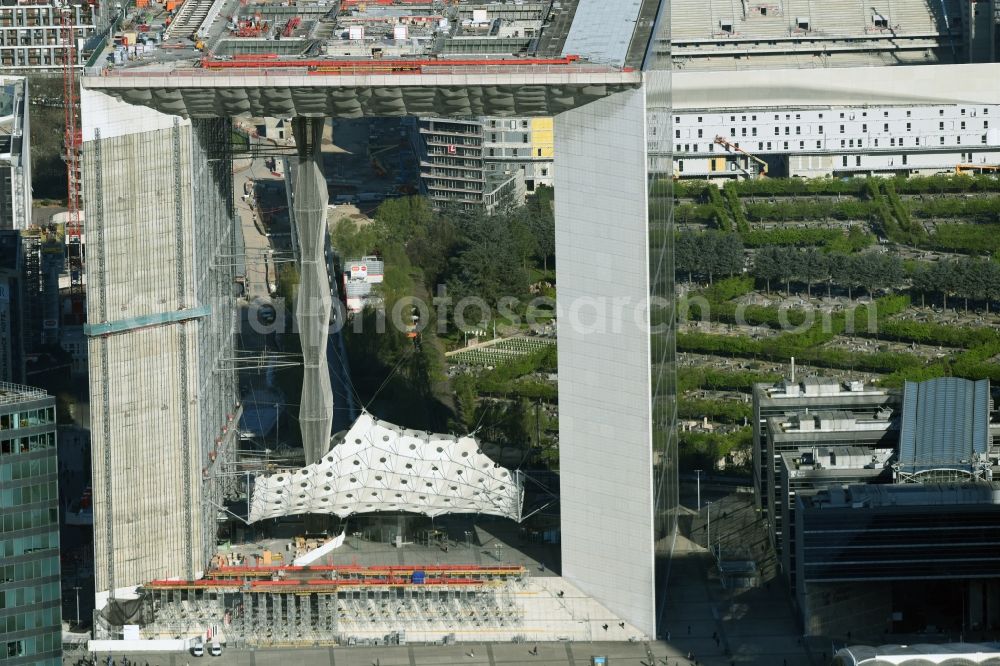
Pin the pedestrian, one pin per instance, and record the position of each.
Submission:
(668, 636)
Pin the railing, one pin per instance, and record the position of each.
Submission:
(13, 393)
(191, 72)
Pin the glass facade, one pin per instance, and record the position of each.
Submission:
(30, 614)
(663, 317)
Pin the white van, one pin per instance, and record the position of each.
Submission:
(215, 649)
(198, 647)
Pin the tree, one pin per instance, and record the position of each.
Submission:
(767, 265)
(813, 267)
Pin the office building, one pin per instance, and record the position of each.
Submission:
(455, 170)
(817, 468)
(790, 397)
(15, 152)
(916, 554)
(30, 607)
(800, 434)
(32, 34)
(12, 307)
(166, 435)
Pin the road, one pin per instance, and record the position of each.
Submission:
(494, 654)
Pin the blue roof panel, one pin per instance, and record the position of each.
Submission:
(945, 422)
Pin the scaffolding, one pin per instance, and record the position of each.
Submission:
(336, 607)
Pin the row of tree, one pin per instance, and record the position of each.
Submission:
(715, 254)
(965, 278)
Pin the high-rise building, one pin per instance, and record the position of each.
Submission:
(15, 152)
(32, 33)
(12, 307)
(161, 320)
(30, 607)
(160, 304)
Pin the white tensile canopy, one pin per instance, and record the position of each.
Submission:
(382, 467)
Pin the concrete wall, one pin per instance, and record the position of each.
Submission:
(605, 411)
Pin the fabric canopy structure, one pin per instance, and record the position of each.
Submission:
(377, 466)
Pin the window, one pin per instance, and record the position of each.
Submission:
(492, 152)
(753, 131)
(743, 131)
(986, 111)
(802, 144)
(777, 131)
(916, 141)
(821, 116)
(760, 145)
(942, 141)
(885, 127)
(958, 140)
(699, 133)
(545, 171)
(798, 116)
(876, 142)
(841, 129)
(844, 160)
(963, 124)
(907, 113)
(539, 152)
(940, 126)
(776, 116)
(857, 161)
(820, 129)
(677, 119)
(733, 118)
(687, 147)
(786, 130)
(15, 648)
(524, 138)
(743, 118)
(841, 114)
(680, 165)
(904, 159)
(907, 125)
(892, 141)
(986, 124)
(677, 134)
(963, 112)
(843, 143)
(798, 129)
(940, 112)
(885, 114)
(850, 143)
(732, 131)
(753, 117)
(677, 148)
(769, 145)
(819, 144)
(699, 119)
(864, 127)
(786, 145)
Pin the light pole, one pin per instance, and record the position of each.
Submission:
(77, 605)
(708, 536)
(697, 473)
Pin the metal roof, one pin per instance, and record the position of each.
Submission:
(602, 31)
(945, 422)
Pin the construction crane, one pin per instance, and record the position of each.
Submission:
(733, 148)
(73, 140)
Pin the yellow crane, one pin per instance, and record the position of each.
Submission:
(733, 148)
